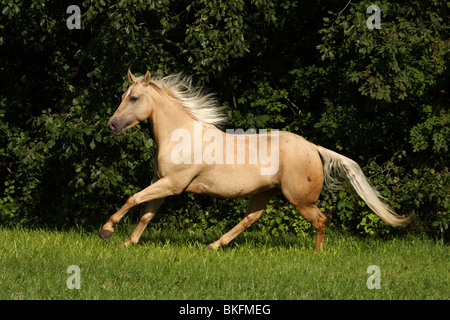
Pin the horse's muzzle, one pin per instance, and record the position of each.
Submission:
(114, 126)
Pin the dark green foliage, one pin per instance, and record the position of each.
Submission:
(314, 68)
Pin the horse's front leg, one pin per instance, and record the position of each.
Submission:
(147, 216)
(158, 190)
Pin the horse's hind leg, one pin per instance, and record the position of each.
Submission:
(317, 219)
(257, 204)
(304, 198)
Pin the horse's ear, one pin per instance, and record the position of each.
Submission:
(131, 77)
(147, 78)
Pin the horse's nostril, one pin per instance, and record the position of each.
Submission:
(112, 126)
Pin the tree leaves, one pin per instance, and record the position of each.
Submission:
(313, 68)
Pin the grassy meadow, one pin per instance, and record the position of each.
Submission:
(174, 266)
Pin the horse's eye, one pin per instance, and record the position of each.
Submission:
(133, 99)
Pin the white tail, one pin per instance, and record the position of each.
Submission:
(335, 165)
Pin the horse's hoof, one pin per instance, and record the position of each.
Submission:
(105, 233)
(209, 247)
(128, 243)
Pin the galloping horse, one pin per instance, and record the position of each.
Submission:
(195, 156)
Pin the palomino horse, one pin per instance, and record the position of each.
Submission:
(228, 165)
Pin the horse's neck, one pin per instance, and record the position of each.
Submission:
(166, 117)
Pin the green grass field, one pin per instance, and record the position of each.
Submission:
(174, 266)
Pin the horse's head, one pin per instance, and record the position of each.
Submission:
(135, 106)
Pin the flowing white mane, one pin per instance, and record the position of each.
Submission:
(200, 105)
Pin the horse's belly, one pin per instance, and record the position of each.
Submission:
(232, 183)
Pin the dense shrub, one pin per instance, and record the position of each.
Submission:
(378, 96)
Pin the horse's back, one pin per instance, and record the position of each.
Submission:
(294, 166)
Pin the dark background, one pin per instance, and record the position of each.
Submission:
(314, 68)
